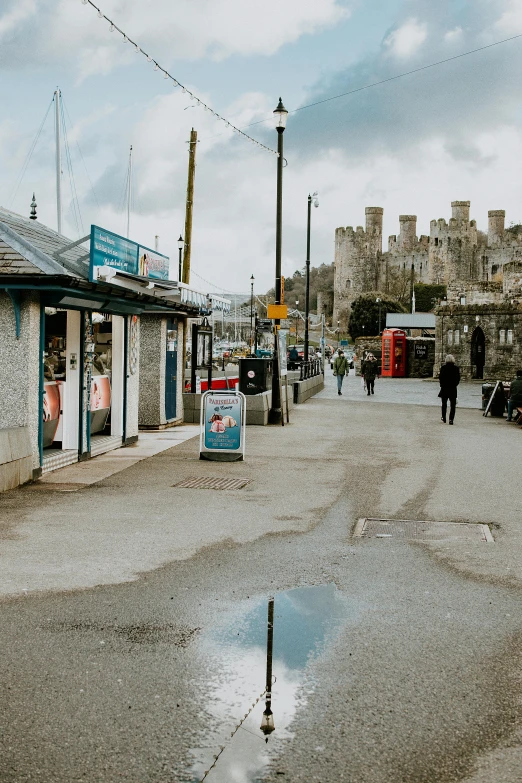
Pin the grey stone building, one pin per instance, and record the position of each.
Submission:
(74, 377)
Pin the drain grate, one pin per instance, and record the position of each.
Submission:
(411, 529)
(211, 482)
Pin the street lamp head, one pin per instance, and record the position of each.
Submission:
(252, 278)
(280, 115)
(378, 301)
(315, 198)
(180, 242)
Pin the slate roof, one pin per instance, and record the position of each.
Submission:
(28, 247)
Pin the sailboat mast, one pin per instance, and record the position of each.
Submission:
(129, 193)
(57, 95)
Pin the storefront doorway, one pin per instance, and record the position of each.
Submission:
(171, 367)
(478, 352)
(69, 364)
(61, 387)
(106, 400)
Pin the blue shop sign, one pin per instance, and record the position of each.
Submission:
(108, 249)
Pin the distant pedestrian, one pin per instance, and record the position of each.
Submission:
(449, 379)
(515, 395)
(369, 371)
(340, 368)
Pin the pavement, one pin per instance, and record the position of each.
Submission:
(126, 605)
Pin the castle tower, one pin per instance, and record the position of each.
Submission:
(408, 232)
(357, 262)
(460, 211)
(496, 220)
(374, 221)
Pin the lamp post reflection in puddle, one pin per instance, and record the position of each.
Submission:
(267, 724)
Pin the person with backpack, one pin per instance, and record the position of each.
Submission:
(340, 369)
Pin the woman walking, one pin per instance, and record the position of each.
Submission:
(449, 379)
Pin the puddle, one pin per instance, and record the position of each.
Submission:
(238, 695)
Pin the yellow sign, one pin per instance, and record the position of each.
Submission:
(277, 311)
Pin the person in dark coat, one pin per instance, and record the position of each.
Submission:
(369, 371)
(515, 395)
(449, 379)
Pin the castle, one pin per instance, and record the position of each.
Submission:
(480, 321)
(481, 267)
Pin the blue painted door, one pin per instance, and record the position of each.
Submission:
(171, 368)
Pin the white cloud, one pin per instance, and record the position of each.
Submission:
(510, 21)
(187, 30)
(404, 41)
(14, 17)
(453, 35)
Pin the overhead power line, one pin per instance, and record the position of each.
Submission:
(175, 82)
(388, 79)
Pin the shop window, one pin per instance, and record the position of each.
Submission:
(456, 337)
(509, 336)
(450, 337)
(502, 336)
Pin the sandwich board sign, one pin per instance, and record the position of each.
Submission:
(222, 426)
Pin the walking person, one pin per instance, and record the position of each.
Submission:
(515, 395)
(449, 379)
(369, 371)
(340, 368)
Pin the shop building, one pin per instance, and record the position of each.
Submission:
(70, 362)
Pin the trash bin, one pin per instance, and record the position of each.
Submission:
(255, 375)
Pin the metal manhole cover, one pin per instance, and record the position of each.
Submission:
(211, 482)
(411, 529)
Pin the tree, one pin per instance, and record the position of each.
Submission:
(427, 296)
(364, 317)
(321, 281)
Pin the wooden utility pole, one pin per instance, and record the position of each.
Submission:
(189, 206)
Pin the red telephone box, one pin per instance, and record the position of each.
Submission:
(394, 353)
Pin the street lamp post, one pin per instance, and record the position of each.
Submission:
(180, 266)
(280, 115)
(296, 320)
(252, 313)
(379, 303)
(311, 199)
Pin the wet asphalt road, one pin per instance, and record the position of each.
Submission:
(417, 678)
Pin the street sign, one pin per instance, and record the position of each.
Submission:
(277, 311)
(264, 325)
(282, 290)
(344, 343)
(222, 426)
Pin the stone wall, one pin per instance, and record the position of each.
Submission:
(20, 368)
(152, 370)
(363, 345)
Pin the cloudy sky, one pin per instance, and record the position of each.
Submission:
(411, 145)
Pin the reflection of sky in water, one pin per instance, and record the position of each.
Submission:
(303, 619)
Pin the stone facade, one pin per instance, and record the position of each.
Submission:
(455, 253)
(495, 326)
(20, 368)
